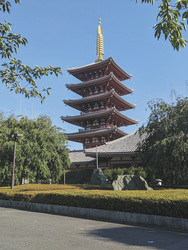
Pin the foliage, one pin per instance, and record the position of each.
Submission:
(112, 173)
(173, 19)
(13, 72)
(165, 150)
(169, 202)
(40, 154)
(79, 176)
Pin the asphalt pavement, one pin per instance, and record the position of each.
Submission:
(31, 230)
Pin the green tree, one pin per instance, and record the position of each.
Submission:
(172, 20)
(13, 73)
(40, 154)
(164, 151)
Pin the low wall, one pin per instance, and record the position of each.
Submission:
(98, 214)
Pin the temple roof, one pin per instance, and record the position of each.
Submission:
(107, 65)
(81, 135)
(125, 145)
(78, 156)
(113, 112)
(114, 98)
(111, 79)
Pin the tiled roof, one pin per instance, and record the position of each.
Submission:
(124, 145)
(94, 66)
(112, 95)
(118, 84)
(79, 156)
(119, 117)
(98, 132)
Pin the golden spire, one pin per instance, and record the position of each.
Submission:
(100, 43)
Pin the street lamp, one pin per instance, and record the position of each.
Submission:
(14, 158)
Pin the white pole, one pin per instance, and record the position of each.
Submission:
(97, 158)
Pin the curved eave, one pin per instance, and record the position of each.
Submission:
(80, 136)
(112, 95)
(125, 90)
(76, 120)
(111, 78)
(118, 71)
(122, 75)
(114, 113)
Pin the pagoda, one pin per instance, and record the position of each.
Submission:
(101, 90)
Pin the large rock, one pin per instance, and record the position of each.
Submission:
(130, 182)
(98, 178)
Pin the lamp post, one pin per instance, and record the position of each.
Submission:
(64, 177)
(14, 158)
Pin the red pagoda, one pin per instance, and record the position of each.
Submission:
(101, 90)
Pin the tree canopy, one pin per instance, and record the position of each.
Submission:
(172, 20)
(164, 151)
(13, 72)
(40, 154)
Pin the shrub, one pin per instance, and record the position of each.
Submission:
(171, 202)
(80, 176)
(112, 173)
(108, 173)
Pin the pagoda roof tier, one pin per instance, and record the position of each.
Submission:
(99, 69)
(111, 97)
(110, 79)
(114, 117)
(81, 136)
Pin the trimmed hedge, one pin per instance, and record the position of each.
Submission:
(173, 203)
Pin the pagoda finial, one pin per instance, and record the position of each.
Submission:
(100, 43)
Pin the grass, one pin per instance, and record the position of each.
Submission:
(52, 187)
(170, 194)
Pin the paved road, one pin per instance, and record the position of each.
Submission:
(29, 230)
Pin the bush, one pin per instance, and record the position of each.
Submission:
(171, 202)
(112, 173)
(80, 176)
(108, 173)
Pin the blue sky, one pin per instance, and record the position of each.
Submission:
(63, 33)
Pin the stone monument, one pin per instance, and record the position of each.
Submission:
(130, 182)
(98, 178)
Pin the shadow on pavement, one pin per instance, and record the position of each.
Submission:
(141, 236)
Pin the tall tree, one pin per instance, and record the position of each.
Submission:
(165, 149)
(172, 20)
(13, 73)
(40, 154)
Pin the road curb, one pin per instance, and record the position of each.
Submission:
(106, 215)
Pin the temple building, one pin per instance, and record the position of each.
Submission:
(100, 107)
(120, 153)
